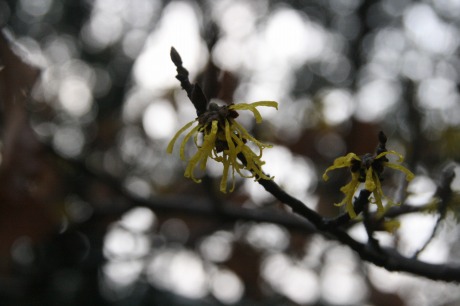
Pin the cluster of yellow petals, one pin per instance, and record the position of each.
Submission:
(236, 156)
(371, 183)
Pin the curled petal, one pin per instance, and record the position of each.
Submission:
(209, 140)
(244, 134)
(349, 190)
(186, 138)
(227, 162)
(235, 137)
(407, 172)
(244, 170)
(223, 181)
(370, 180)
(229, 159)
(400, 157)
(254, 164)
(341, 162)
(378, 193)
(252, 107)
(170, 147)
(191, 165)
(265, 103)
(235, 147)
(201, 156)
(243, 106)
(228, 138)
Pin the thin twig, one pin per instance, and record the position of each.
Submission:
(444, 193)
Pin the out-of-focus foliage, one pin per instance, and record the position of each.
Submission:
(93, 210)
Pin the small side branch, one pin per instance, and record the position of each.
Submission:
(194, 92)
(444, 193)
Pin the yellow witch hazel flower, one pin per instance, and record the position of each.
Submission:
(224, 140)
(367, 169)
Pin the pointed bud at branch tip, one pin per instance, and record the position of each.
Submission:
(382, 138)
(175, 57)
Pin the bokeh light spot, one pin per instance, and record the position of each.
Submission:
(296, 282)
(22, 251)
(180, 271)
(68, 141)
(35, 8)
(337, 106)
(268, 236)
(375, 99)
(429, 31)
(103, 30)
(217, 247)
(438, 93)
(421, 190)
(138, 219)
(290, 37)
(226, 286)
(339, 285)
(122, 273)
(120, 243)
(153, 68)
(159, 120)
(75, 96)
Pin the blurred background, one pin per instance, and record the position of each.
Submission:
(95, 212)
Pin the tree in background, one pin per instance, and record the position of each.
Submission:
(95, 212)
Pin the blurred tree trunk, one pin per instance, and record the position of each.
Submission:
(28, 181)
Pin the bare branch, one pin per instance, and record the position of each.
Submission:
(387, 258)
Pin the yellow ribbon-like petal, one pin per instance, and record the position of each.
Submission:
(341, 162)
(184, 141)
(223, 181)
(378, 193)
(170, 147)
(407, 172)
(252, 107)
(369, 184)
(400, 157)
(349, 190)
(231, 145)
(201, 156)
